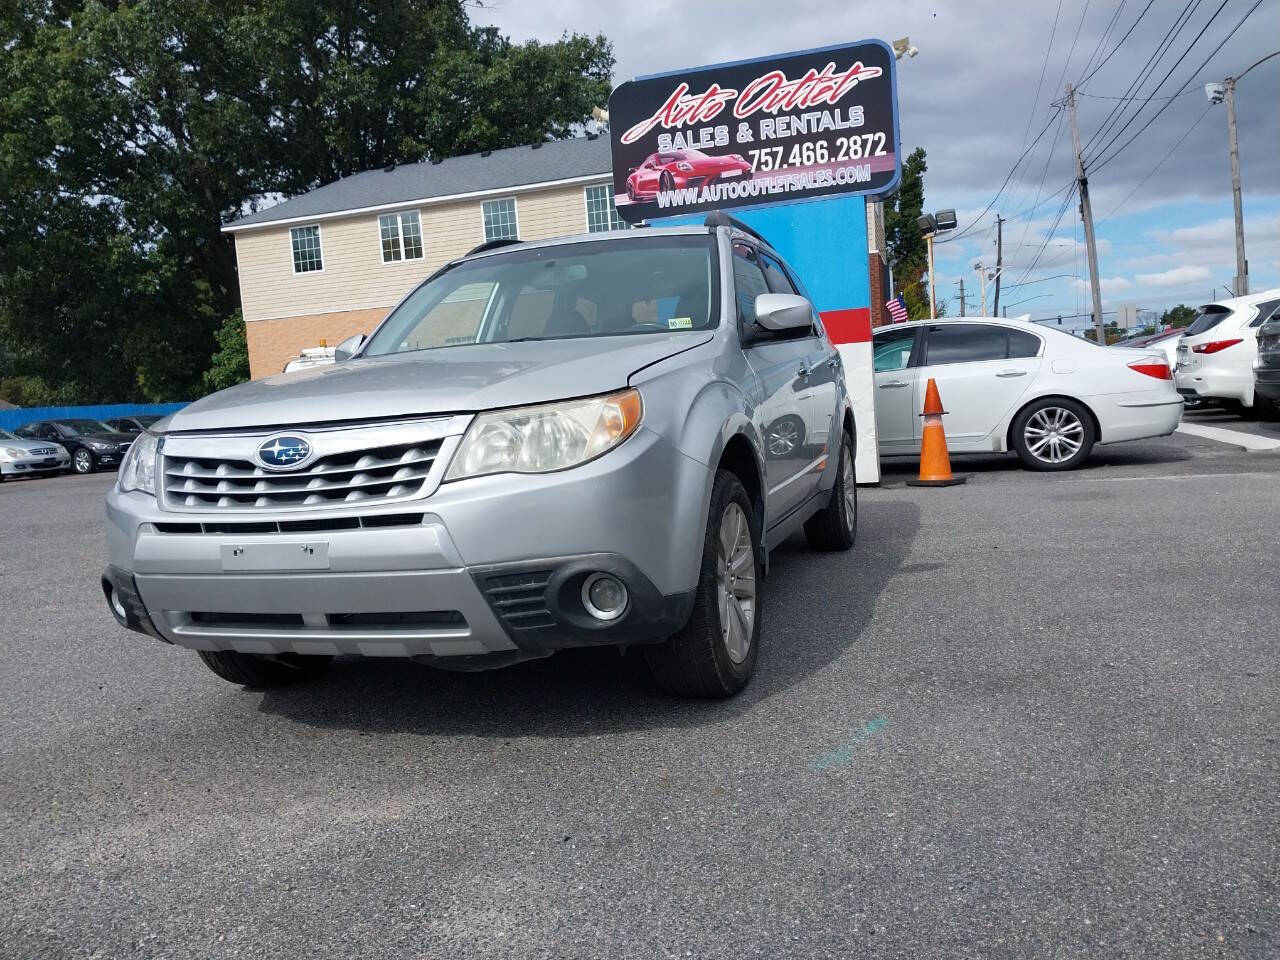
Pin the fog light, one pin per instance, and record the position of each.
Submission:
(117, 605)
(604, 596)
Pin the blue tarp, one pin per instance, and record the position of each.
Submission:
(12, 419)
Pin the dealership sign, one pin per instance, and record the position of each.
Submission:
(785, 128)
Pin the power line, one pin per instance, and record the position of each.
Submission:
(1119, 44)
(1099, 96)
(1099, 163)
(1152, 171)
(1016, 163)
(1062, 209)
(1071, 52)
(1145, 70)
(1111, 25)
(1044, 175)
(1056, 276)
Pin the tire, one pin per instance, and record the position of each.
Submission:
(835, 526)
(705, 659)
(1054, 434)
(82, 461)
(1266, 408)
(783, 437)
(262, 673)
(665, 183)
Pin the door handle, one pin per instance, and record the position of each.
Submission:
(892, 384)
(804, 370)
(1012, 373)
(833, 361)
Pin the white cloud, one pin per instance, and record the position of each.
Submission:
(1177, 277)
(1108, 284)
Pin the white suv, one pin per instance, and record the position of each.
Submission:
(1216, 356)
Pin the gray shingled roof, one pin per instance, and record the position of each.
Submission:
(512, 167)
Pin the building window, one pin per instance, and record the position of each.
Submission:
(500, 220)
(601, 213)
(306, 249)
(401, 235)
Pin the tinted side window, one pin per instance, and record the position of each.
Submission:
(965, 343)
(892, 351)
(1207, 319)
(776, 276)
(1023, 344)
(1265, 309)
(748, 281)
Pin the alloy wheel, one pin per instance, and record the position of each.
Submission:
(736, 570)
(1054, 434)
(849, 482)
(83, 461)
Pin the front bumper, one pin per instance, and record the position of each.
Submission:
(26, 466)
(427, 578)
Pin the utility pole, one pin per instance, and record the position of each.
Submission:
(995, 309)
(933, 303)
(982, 282)
(1241, 283)
(962, 296)
(1086, 214)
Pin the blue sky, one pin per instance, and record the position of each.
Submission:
(983, 86)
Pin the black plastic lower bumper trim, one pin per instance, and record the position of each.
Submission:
(136, 617)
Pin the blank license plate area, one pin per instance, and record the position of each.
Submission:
(312, 555)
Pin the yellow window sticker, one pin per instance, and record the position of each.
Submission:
(680, 323)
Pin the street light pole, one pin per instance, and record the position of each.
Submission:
(1241, 282)
(933, 302)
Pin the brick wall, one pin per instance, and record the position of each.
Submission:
(273, 343)
(879, 273)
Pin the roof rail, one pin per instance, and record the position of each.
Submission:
(718, 218)
(492, 245)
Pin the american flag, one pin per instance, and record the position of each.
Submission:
(897, 309)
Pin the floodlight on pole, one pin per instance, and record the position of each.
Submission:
(904, 48)
(929, 225)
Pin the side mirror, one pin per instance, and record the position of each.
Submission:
(783, 311)
(348, 348)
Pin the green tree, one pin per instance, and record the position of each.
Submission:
(231, 361)
(903, 240)
(131, 131)
(1179, 316)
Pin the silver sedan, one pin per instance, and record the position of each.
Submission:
(25, 458)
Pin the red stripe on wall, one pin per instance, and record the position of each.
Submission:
(848, 326)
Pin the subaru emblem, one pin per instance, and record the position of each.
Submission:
(284, 453)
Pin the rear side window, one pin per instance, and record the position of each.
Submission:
(965, 343)
(1023, 344)
(1265, 311)
(1208, 318)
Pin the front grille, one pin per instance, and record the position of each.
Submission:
(244, 527)
(373, 475)
(520, 599)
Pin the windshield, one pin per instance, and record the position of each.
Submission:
(1206, 319)
(146, 419)
(78, 428)
(618, 287)
(6, 435)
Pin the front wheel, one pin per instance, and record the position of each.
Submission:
(262, 673)
(1053, 434)
(715, 654)
(82, 461)
(1266, 408)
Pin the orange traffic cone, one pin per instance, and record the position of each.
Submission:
(935, 465)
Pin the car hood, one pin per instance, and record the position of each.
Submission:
(462, 379)
(108, 437)
(21, 443)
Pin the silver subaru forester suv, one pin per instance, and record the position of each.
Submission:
(593, 440)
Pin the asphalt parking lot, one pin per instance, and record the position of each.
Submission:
(1032, 716)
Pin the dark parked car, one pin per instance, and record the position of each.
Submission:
(134, 424)
(91, 443)
(1266, 387)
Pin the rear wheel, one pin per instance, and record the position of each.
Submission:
(82, 461)
(715, 654)
(261, 673)
(1053, 434)
(665, 183)
(1266, 408)
(835, 526)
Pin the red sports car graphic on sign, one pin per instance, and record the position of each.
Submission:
(682, 168)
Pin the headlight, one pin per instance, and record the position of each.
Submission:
(138, 472)
(684, 167)
(545, 438)
(13, 453)
(100, 446)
